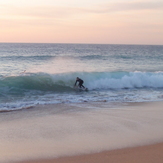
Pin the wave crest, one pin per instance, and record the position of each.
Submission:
(122, 80)
(92, 80)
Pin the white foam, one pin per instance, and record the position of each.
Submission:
(126, 80)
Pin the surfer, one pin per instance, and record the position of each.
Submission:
(80, 85)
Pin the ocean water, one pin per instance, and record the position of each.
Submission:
(32, 74)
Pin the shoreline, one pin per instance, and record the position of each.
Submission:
(45, 132)
(141, 154)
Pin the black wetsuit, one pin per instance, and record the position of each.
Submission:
(80, 83)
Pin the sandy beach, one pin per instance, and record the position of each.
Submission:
(85, 132)
(142, 154)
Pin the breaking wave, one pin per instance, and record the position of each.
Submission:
(29, 89)
(93, 80)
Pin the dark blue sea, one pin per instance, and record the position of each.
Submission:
(32, 74)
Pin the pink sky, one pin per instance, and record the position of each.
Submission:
(86, 21)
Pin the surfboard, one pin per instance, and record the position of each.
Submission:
(81, 89)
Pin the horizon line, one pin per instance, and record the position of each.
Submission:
(78, 43)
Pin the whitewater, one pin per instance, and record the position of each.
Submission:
(32, 74)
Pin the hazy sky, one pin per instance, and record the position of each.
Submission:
(82, 21)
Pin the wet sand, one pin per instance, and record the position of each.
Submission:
(142, 154)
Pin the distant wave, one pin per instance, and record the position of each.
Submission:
(93, 80)
(34, 57)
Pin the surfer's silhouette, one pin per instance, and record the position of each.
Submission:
(80, 81)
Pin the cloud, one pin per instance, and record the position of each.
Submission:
(132, 5)
(41, 11)
(68, 15)
(60, 12)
